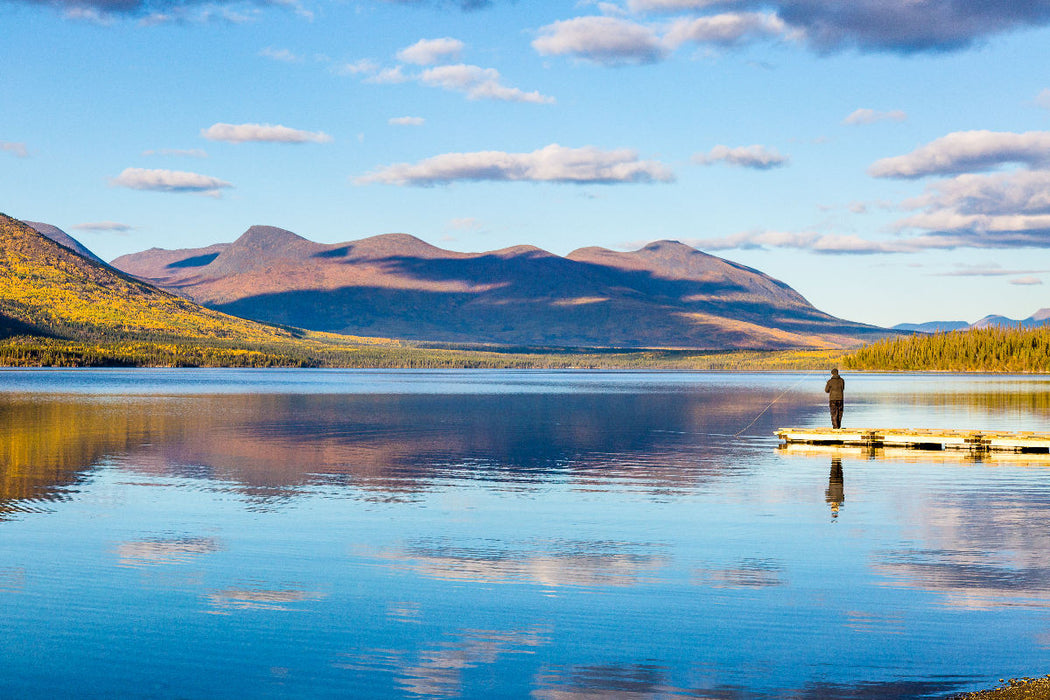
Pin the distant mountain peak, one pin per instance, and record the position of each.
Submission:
(1041, 315)
(516, 251)
(268, 238)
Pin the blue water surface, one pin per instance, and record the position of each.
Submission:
(481, 534)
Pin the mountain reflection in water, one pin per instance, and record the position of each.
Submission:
(271, 446)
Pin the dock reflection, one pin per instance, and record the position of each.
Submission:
(904, 454)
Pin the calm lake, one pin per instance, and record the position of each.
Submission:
(484, 534)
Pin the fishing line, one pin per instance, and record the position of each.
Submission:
(779, 396)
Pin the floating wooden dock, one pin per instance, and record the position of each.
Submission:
(921, 439)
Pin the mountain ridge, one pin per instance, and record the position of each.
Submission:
(1039, 318)
(666, 294)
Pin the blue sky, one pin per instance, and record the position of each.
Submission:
(889, 159)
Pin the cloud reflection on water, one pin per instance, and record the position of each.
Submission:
(174, 550)
(557, 563)
(438, 670)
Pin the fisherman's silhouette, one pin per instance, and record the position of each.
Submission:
(834, 389)
(836, 494)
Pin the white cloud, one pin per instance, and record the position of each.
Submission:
(756, 156)
(427, 52)
(968, 151)
(871, 116)
(554, 163)
(242, 133)
(177, 152)
(99, 226)
(808, 240)
(1001, 210)
(282, 55)
(725, 29)
(18, 150)
(1026, 281)
(170, 181)
(478, 83)
(406, 121)
(605, 40)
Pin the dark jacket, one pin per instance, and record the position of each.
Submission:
(834, 387)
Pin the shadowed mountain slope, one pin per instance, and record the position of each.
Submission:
(48, 289)
(395, 285)
(59, 236)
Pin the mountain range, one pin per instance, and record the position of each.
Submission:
(666, 295)
(1039, 318)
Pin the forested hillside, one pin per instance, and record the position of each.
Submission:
(989, 349)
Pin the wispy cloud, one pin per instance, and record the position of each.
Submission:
(17, 149)
(757, 157)
(478, 84)
(1043, 98)
(428, 52)
(1026, 281)
(170, 181)
(967, 152)
(406, 121)
(554, 163)
(871, 116)
(364, 66)
(101, 226)
(985, 270)
(177, 152)
(388, 76)
(264, 133)
(467, 223)
(825, 243)
(282, 55)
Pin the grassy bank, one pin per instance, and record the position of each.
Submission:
(323, 350)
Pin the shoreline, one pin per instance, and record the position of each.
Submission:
(1026, 688)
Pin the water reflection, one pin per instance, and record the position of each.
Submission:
(384, 446)
(257, 597)
(551, 563)
(159, 551)
(636, 681)
(836, 493)
(972, 542)
(594, 538)
(748, 573)
(438, 670)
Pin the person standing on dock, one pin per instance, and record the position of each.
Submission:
(834, 389)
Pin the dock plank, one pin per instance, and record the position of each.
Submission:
(920, 438)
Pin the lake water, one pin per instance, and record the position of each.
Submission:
(484, 534)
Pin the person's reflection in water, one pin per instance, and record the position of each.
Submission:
(835, 495)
